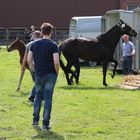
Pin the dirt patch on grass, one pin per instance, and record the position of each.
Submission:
(130, 82)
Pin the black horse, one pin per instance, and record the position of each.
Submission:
(100, 49)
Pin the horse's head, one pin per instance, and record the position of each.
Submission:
(15, 45)
(126, 29)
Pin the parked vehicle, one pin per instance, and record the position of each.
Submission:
(85, 26)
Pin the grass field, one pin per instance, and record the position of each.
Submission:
(88, 111)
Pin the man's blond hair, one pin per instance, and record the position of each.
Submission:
(37, 34)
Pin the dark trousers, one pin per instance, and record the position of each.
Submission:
(127, 65)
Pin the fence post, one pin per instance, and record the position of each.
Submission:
(7, 37)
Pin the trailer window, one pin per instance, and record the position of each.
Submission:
(73, 23)
(89, 25)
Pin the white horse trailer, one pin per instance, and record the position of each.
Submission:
(85, 26)
(136, 24)
(110, 19)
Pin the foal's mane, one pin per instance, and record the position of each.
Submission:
(17, 42)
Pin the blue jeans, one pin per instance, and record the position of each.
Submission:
(127, 65)
(44, 88)
(33, 92)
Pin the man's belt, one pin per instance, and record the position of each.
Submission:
(126, 56)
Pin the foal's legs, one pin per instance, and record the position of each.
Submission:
(105, 64)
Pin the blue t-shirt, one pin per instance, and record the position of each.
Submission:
(43, 50)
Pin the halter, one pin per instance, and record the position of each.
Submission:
(121, 26)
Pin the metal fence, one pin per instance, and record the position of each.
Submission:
(8, 35)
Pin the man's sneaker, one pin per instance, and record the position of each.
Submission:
(46, 128)
(35, 125)
(31, 99)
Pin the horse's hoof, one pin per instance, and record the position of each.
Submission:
(69, 83)
(77, 82)
(17, 89)
(112, 76)
(105, 84)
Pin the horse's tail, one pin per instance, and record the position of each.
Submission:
(60, 59)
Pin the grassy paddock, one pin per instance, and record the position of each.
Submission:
(88, 111)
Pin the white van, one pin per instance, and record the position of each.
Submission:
(85, 26)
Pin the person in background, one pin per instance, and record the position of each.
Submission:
(32, 33)
(26, 35)
(128, 51)
(37, 36)
(45, 54)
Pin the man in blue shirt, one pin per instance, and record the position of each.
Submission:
(45, 55)
(128, 50)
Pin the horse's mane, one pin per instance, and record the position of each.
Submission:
(103, 36)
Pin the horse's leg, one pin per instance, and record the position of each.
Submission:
(65, 68)
(115, 67)
(67, 76)
(77, 71)
(20, 80)
(68, 79)
(67, 71)
(71, 78)
(105, 64)
(70, 63)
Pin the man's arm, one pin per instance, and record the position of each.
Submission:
(30, 61)
(133, 49)
(133, 52)
(56, 61)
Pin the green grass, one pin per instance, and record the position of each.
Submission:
(88, 111)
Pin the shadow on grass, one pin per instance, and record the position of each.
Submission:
(20, 94)
(83, 87)
(47, 135)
